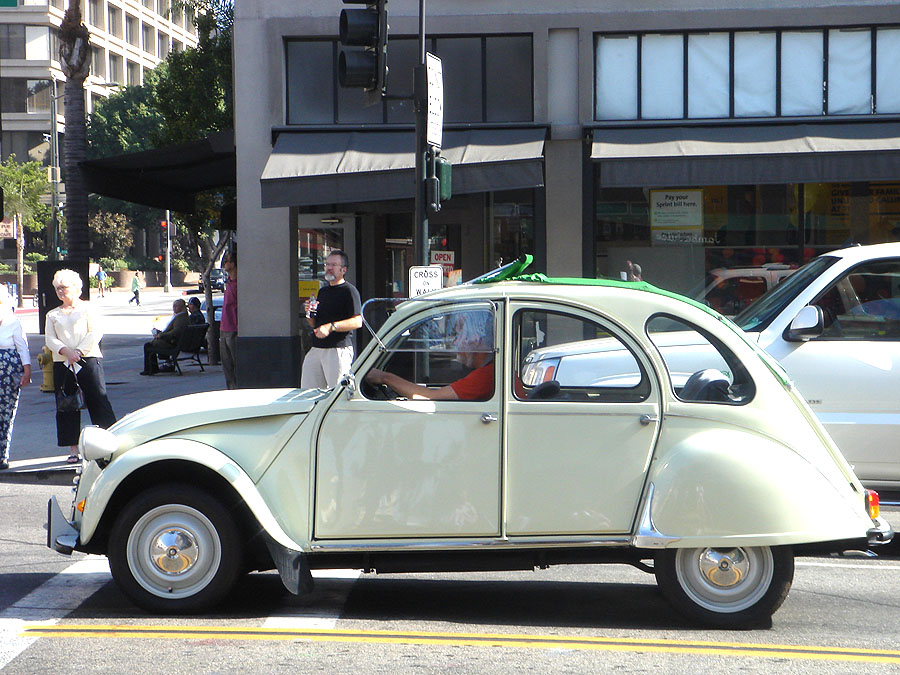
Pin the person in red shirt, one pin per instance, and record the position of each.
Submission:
(475, 344)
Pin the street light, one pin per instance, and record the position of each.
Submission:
(54, 172)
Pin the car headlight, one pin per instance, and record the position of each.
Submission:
(97, 443)
(539, 371)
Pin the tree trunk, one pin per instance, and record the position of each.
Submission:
(75, 61)
(77, 234)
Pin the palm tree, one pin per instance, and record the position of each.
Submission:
(75, 61)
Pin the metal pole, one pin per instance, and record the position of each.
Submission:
(54, 178)
(420, 96)
(168, 287)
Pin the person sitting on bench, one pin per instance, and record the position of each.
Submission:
(165, 343)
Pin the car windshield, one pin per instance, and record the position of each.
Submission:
(760, 314)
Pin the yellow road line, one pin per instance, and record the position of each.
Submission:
(762, 650)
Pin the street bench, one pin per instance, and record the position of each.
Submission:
(189, 345)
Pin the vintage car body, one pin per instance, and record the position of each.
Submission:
(186, 494)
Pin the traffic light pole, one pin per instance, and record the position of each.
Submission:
(420, 98)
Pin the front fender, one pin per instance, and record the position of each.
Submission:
(733, 487)
(111, 478)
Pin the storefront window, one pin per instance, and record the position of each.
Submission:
(728, 244)
(512, 226)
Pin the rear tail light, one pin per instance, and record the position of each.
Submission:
(873, 504)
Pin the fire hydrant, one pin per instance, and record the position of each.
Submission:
(45, 359)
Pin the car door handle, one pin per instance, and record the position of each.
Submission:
(646, 419)
(487, 418)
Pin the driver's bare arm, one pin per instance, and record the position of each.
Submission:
(410, 389)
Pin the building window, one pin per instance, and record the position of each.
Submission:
(148, 4)
(27, 146)
(177, 46)
(163, 7)
(727, 244)
(178, 17)
(147, 38)
(754, 74)
(162, 45)
(491, 77)
(134, 74)
(189, 17)
(95, 14)
(98, 62)
(131, 31)
(116, 73)
(114, 21)
(12, 41)
(742, 74)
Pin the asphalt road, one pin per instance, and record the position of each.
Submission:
(65, 614)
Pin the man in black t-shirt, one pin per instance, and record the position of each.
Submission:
(339, 313)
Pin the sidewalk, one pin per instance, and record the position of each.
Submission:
(34, 455)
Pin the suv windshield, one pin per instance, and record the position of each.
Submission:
(761, 313)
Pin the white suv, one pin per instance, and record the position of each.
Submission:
(844, 353)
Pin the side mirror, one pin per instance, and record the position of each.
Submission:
(348, 382)
(809, 323)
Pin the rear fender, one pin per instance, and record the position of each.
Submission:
(732, 487)
(112, 477)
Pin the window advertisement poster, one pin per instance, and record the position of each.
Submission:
(676, 217)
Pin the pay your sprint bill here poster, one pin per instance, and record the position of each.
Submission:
(676, 217)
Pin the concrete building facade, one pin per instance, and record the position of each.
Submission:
(684, 136)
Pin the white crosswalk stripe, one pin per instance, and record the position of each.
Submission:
(49, 603)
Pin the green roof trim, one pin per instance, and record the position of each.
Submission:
(507, 272)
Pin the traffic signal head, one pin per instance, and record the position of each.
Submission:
(366, 31)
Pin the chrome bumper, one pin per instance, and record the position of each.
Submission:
(882, 533)
(61, 536)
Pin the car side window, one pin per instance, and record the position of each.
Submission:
(560, 356)
(700, 367)
(864, 304)
(442, 349)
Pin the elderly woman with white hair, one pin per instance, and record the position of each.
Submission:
(15, 371)
(73, 336)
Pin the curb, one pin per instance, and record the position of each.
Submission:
(57, 475)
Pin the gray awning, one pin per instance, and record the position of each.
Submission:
(361, 166)
(729, 155)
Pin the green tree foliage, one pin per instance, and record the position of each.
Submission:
(185, 98)
(24, 183)
(110, 235)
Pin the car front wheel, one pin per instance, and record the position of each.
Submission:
(175, 549)
(726, 587)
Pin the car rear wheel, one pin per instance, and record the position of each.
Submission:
(175, 549)
(726, 587)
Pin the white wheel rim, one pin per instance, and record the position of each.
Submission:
(173, 551)
(725, 580)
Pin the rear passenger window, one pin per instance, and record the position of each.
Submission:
(561, 356)
(700, 367)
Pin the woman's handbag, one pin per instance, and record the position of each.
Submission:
(68, 399)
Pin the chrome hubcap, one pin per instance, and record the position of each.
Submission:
(724, 568)
(725, 579)
(174, 551)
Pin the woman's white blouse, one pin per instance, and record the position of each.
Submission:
(78, 330)
(13, 337)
